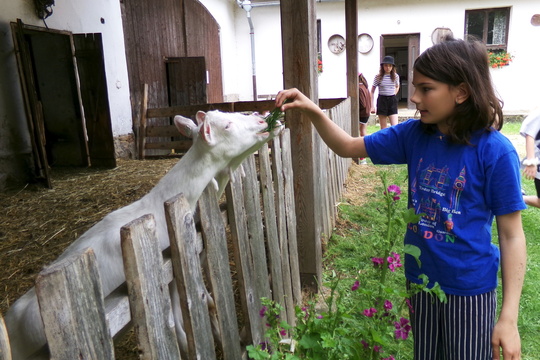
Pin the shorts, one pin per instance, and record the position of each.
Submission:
(364, 119)
(460, 329)
(387, 105)
(537, 186)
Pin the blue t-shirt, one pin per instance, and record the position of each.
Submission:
(460, 188)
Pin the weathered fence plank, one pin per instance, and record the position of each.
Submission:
(249, 294)
(219, 273)
(277, 174)
(290, 214)
(148, 294)
(72, 309)
(189, 279)
(5, 349)
(252, 203)
(272, 237)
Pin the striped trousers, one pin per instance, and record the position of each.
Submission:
(461, 329)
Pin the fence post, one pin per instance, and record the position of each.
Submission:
(148, 295)
(72, 309)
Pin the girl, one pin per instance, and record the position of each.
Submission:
(462, 174)
(387, 80)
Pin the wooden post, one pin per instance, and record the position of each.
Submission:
(351, 45)
(142, 122)
(298, 25)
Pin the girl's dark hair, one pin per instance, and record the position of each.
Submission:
(392, 73)
(456, 62)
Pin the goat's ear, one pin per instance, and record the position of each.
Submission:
(205, 132)
(201, 115)
(186, 126)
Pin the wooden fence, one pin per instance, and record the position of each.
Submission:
(254, 230)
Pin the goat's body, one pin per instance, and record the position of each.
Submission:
(189, 176)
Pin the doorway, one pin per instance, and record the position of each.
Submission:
(63, 80)
(404, 49)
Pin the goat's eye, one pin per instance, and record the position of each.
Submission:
(229, 124)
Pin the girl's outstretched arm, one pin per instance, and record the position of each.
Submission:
(336, 138)
(513, 261)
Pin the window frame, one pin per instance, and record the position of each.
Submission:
(485, 31)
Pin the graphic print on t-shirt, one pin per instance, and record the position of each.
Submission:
(437, 195)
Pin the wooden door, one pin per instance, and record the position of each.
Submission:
(186, 80)
(32, 105)
(55, 89)
(95, 99)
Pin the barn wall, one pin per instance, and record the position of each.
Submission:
(164, 29)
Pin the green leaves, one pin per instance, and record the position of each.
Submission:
(273, 118)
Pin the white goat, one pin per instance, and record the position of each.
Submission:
(221, 141)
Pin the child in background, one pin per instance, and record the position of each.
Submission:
(387, 80)
(364, 98)
(530, 129)
(460, 168)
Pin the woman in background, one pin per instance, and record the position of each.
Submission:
(387, 80)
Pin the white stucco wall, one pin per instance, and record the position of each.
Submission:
(515, 83)
(83, 16)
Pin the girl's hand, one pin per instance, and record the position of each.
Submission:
(295, 100)
(530, 172)
(373, 110)
(506, 337)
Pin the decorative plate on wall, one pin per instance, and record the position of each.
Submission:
(365, 43)
(336, 44)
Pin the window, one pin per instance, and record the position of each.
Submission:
(488, 25)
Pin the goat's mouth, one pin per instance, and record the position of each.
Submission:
(274, 129)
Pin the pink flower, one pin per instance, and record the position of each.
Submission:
(377, 261)
(388, 305)
(283, 332)
(390, 358)
(355, 286)
(370, 312)
(365, 344)
(402, 329)
(378, 348)
(394, 191)
(262, 312)
(394, 261)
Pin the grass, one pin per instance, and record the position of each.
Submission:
(351, 247)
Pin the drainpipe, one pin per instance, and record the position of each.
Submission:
(247, 6)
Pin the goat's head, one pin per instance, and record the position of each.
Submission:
(229, 135)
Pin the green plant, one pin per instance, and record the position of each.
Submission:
(364, 317)
(498, 59)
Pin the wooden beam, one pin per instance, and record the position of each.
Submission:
(299, 42)
(351, 45)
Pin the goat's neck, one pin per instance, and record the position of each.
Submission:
(189, 176)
